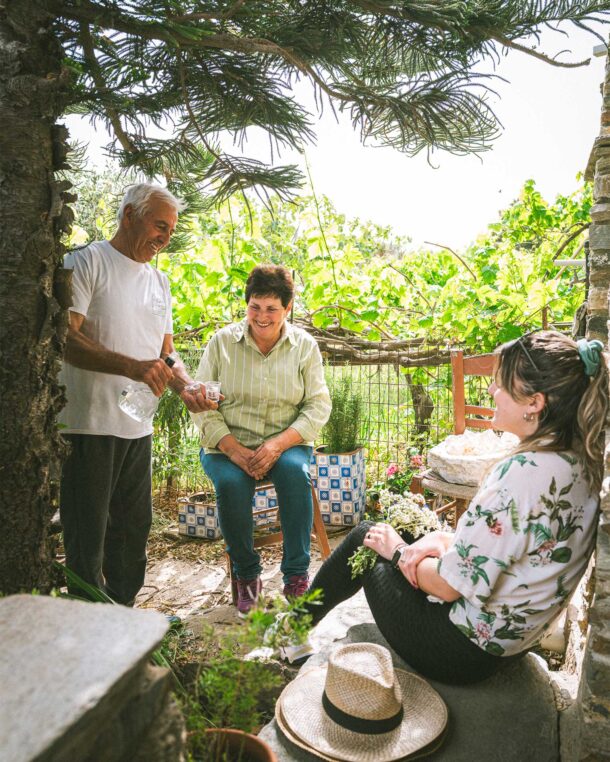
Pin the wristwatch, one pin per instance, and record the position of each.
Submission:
(396, 558)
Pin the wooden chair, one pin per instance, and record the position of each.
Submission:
(276, 536)
(476, 365)
(464, 416)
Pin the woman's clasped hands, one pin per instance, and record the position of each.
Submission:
(256, 463)
(264, 458)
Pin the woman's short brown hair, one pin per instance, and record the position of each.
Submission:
(270, 280)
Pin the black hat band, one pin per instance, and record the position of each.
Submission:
(358, 724)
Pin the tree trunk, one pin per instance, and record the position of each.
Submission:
(423, 407)
(33, 87)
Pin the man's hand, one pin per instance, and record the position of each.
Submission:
(195, 400)
(155, 373)
(383, 539)
(265, 457)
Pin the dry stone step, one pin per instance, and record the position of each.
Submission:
(511, 717)
(69, 671)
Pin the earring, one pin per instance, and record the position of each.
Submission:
(529, 417)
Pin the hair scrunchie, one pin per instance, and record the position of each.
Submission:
(591, 354)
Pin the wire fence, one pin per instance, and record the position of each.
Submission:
(407, 407)
(404, 409)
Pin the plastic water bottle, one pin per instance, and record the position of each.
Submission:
(138, 401)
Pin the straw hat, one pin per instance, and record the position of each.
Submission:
(358, 708)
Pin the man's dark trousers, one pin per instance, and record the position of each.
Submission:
(106, 512)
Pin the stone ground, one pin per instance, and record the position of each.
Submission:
(188, 577)
(191, 580)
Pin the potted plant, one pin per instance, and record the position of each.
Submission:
(230, 690)
(338, 470)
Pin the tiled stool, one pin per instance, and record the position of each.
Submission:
(318, 533)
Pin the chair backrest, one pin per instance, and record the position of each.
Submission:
(475, 365)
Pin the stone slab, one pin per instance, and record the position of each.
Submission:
(510, 717)
(139, 718)
(600, 213)
(63, 666)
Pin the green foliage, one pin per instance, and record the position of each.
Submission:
(343, 429)
(208, 279)
(360, 276)
(229, 688)
(514, 276)
(99, 195)
(175, 445)
(176, 440)
(411, 76)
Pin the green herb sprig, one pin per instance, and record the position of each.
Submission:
(405, 513)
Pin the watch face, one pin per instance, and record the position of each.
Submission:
(396, 557)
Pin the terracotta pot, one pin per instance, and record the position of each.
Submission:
(240, 746)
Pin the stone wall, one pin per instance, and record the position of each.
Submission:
(598, 170)
(595, 680)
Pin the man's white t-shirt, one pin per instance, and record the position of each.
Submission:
(127, 309)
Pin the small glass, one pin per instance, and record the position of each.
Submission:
(212, 390)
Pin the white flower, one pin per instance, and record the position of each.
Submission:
(408, 513)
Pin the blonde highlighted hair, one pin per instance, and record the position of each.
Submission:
(576, 405)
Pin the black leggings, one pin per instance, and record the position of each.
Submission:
(419, 631)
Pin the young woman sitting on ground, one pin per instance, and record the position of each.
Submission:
(457, 606)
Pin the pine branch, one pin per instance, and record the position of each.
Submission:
(224, 16)
(113, 116)
(403, 71)
(540, 56)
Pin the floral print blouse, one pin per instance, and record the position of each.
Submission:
(520, 550)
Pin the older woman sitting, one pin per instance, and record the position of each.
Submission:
(275, 403)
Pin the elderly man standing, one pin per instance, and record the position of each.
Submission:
(120, 329)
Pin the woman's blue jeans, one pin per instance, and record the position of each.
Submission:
(234, 492)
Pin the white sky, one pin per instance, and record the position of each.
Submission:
(550, 115)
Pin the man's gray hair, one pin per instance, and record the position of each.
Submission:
(139, 197)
